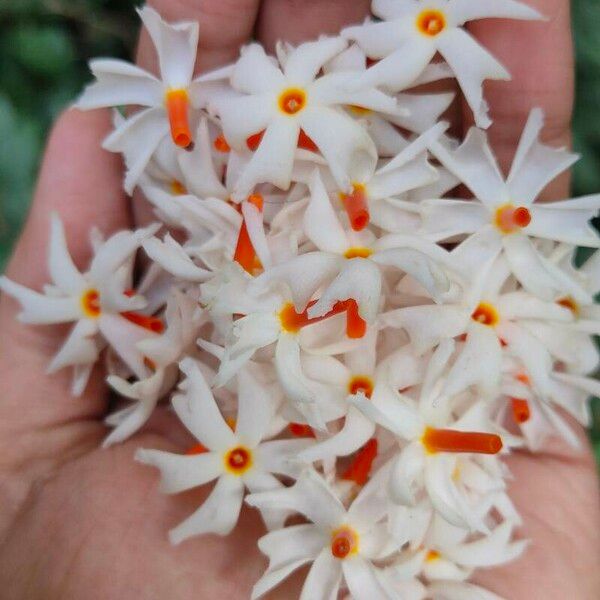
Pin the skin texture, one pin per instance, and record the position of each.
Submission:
(80, 522)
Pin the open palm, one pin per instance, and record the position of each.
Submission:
(81, 522)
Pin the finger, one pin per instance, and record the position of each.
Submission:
(82, 183)
(539, 56)
(295, 21)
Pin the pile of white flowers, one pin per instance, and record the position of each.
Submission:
(350, 347)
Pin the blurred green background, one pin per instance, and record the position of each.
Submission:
(44, 48)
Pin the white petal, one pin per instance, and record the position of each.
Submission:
(447, 218)
(569, 225)
(407, 473)
(454, 45)
(427, 325)
(444, 494)
(244, 116)
(475, 164)
(63, 271)
(273, 161)
(465, 10)
(180, 472)
(362, 581)
(218, 514)
(360, 280)
(199, 412)
(197, 166)
(492, 550)
(302, 276)
(323, 579)
(281, 456)
(310, 496)
(40, 309)
(119, 83)
(176, 45)
(479, 363)
(305, 61)
(300, 390)
(138, 138)
(350, 152)
(255, 410)
(173, 259)
(288, 545)
(535, 272)
(320, 221)
(356, 432)
(253, 218)
(80, 348)
(255, 72)
(535, 164)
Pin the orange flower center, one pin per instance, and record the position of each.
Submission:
(292, 101)
(486, 314)
(452, 440)
(344, 542)
(359, 110)
(356, 205)
(177, 188)
(431, 22)
(509, 218)
(361, 383)
(147, 322)
(90, 303)
(432, 555)
(178, 103)
(358, 252)
(568, 302)
(238, 460)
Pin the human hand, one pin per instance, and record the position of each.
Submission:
(84, 522)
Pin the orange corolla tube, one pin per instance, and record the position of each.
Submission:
(301, 430)
(357, 207)
(178, 103)
(244, 250)
(451, 440)
(360, 467)
(356, 326)
(520, 410)
(150, 323)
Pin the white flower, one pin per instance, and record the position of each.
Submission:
(360, 374)
(352, 263)
(448, 553)
(161, 354)
(376, 198)
(413, 31)
(436, 439)
(503, 215)
(270, 318)
(340, 543)
(167, 100)
(99, 303)
(285, 103)
(236, 459)
(421, 110)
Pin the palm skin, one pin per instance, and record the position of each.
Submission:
(81, 522)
